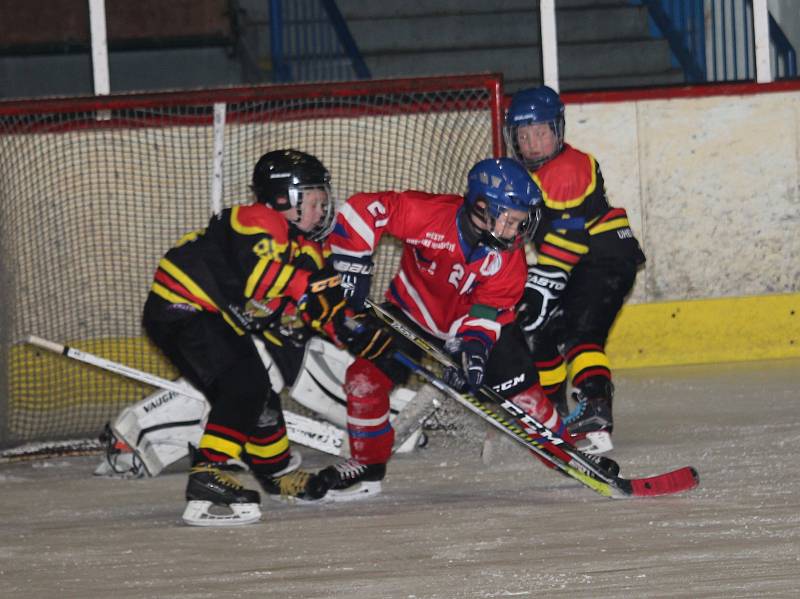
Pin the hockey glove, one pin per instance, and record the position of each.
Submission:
(471, 355)
(323, 302)
(540, 298)
(356, 278)
(365, 337)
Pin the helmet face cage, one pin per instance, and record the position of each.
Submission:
(511, 135)
(281, 178)
(495, 187)
(539, 105)
(490, 213)
(324, 225)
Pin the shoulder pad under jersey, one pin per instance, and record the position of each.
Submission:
(257, 219)
(566, 180)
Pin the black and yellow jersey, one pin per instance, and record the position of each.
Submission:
(247, 252)
(577, 221)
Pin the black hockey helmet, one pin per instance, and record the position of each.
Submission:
(280, 178)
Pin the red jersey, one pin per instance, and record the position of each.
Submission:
(443, 284)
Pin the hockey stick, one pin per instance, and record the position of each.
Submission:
(550, 447)
(300, 429)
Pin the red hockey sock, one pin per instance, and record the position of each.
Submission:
(371, 435)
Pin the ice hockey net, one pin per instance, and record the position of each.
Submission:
(93, 191)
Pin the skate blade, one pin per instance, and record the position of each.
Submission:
(363, 490)
(595, 443)
(199, 513)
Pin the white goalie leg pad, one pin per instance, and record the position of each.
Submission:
(205, 513)
(159, 428)
(320, 387)
(302, 429)
(319, 384)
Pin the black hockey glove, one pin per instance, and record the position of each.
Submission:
(356, 278)
(471, 355)
(323, 302)
(365, 337)
(540, 298)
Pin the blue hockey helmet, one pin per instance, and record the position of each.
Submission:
(494, 187)
(534, 106)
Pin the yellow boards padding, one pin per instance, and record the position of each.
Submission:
(52, 395)
(706, 331)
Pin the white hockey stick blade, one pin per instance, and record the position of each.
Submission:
(315, 434)
(300, 429)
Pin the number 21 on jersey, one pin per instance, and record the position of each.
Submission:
(456, 277)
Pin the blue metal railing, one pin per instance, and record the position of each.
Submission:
(310, 41)
(712, 40)
(783, 53)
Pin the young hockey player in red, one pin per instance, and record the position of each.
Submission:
(241, 275)
(462, 272)
(587, 258)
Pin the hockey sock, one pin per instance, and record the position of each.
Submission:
(371, 435)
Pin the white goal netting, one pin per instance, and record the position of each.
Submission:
(94, 191)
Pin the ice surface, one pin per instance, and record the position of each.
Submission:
(449, 526)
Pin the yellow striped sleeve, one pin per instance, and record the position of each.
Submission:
(177, 274)
(547, 260)
(171, 297)
(558, 241)
(617, 223)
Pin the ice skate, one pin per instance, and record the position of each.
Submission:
(216, 498)
(605, 464)
(351, 480)
(559, 401)
(591, 423)
(292, 485)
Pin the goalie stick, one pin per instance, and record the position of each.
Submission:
(300, 429)
(550, 447)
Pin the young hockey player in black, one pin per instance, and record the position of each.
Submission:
(253, 269)
(587, 258)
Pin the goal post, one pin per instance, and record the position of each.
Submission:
(94, 190)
